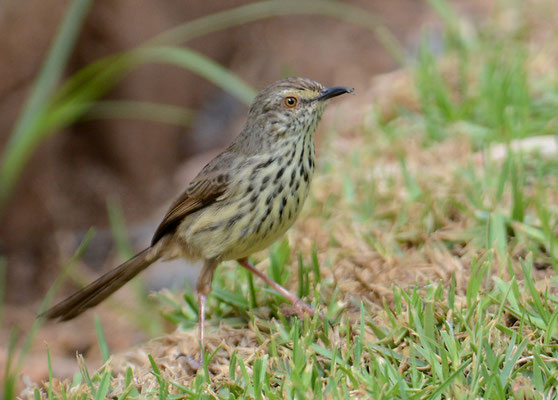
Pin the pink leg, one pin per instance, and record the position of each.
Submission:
(299, 307)
(202, 299)
(203, 288)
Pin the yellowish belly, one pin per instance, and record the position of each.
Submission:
(253, 219)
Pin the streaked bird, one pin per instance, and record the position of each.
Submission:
(240, 202)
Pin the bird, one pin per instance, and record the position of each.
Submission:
(241, 202)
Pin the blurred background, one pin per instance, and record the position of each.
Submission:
(113, 151)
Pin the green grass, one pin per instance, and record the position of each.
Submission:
(430, 346)
(435, 268)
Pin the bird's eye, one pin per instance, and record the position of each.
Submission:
(291, 101)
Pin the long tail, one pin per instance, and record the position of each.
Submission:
(97, 291)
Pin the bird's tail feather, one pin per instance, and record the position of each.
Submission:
(97, 291)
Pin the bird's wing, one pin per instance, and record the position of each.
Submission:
(205, 189)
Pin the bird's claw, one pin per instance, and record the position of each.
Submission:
(299, 308)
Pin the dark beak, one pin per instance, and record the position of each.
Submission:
(333, 91)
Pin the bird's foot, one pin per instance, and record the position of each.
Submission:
(191, 364)
(299, 308)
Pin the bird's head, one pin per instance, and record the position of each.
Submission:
(291, 106)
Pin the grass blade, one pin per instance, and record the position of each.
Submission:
(17, 151)
(140, 110)
(103, 345)
(268, 9)
(3, 279)
(201, 65)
